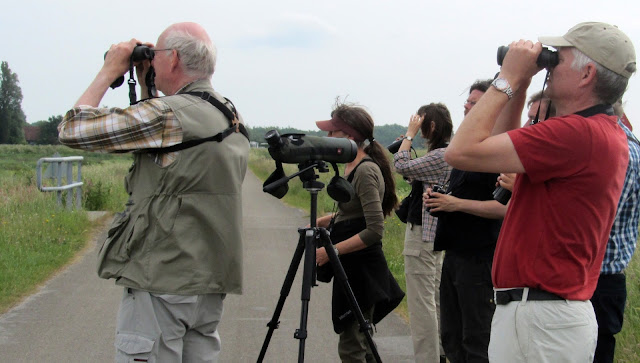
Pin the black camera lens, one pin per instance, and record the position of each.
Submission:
(547, 58)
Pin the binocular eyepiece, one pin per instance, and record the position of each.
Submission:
(547, 58)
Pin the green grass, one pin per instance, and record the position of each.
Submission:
(37, 237)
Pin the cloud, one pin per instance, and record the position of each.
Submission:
(292, 30)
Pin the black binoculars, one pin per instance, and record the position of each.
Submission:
(547, 58)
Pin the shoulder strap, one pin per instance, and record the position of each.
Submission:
(231, 116)
(353, 172)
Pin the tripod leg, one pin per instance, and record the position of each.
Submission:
(284, 292)
(341, 278)
(307, 283)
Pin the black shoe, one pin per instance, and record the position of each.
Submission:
(443, 359)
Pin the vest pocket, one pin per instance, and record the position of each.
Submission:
(113, 253)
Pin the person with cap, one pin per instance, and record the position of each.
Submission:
(422, 264)
(553, 239)
(610, 296)
(356, 232)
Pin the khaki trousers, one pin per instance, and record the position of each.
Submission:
(543, 332)
(423, 267)
(352, 345)
(168, 328)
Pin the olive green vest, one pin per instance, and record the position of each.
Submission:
(181, 232)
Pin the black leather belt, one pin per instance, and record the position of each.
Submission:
(504, 297)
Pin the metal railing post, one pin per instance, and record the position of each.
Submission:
(59, 162)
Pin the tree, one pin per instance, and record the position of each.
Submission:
(12, 118)
(49, 130)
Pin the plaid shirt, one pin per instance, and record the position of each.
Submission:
(624, 233)
(430, 169)
(145, 125)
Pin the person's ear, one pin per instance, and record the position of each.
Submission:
(175, 59)
(588, 74)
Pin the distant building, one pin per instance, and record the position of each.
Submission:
(31, 134)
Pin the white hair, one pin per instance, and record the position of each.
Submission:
(610, 86)
(197, 56)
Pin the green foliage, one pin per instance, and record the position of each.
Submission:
(12, 118)
(49, 130)
(95, 195)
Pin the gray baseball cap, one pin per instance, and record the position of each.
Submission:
(604, 43)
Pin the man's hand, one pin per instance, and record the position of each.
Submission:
(116, 63)
(519, 64)
(438, 202)
(506, 180)
(117, 59)
(142, 68)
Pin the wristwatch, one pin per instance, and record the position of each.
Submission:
(336, 249)
(503, 85)
(409, 138)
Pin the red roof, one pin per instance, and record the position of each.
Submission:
(31, 133)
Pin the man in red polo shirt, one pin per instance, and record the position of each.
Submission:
(553, 238)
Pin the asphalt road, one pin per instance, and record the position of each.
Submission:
(71, 318)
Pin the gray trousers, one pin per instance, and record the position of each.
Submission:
(423, 267)
(168, 328)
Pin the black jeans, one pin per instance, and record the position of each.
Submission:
(466, 307)
(608, 303)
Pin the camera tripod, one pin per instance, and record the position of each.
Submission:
(311, 238)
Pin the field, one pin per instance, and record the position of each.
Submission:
(37, 238)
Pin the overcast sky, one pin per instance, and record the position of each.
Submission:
(283, 63)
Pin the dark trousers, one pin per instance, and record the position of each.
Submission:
(466, 307)
(608, 303)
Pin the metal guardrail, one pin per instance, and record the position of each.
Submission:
(63, 164)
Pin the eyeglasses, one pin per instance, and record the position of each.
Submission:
(159, 50)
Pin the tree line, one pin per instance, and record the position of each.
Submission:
(13, 120)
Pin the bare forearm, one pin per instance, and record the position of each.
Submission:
(478, 125)
(96, 91)
(482, 208)
(511, 116)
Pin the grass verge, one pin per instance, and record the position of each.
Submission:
(37, 237)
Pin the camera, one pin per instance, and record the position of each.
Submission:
(547, 58)
(502, 195)
(437, 188)
(299, 148)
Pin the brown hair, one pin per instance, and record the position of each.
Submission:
(439, 114)
(358, 118)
